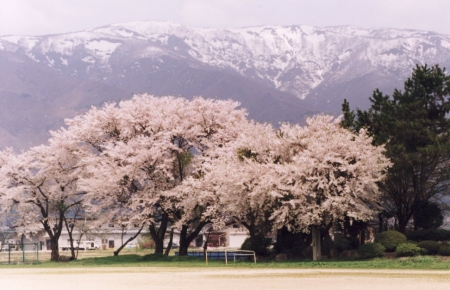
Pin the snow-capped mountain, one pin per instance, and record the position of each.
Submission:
(278, 73)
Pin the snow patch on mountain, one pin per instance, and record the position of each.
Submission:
(88, 59)
(32, 56)
(445, 43)
(51, 62)
(151, 52)
(26, 42)
(64, 61)
(102, 48)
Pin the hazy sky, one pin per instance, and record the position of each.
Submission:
(38, 17)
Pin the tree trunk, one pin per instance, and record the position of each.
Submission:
(251, 230)
(116, 252)
(158, 235)
(78, 242)
(72, 249)
(54, 256)
(185, 239)
(54, 236)
(159, 246)
(380, 223)
(317, 253)
(169, 245)
(205, 244)
(70, 232)
(402, 223)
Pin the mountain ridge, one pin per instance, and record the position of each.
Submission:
(279, 73)
(218, 47)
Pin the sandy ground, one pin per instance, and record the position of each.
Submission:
(232, 278)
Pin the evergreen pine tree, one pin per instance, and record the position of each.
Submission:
(414, 126)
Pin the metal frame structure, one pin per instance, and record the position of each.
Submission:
(22, 248)
(223, 254)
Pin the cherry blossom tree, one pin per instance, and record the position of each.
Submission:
(136, 153)
(40, 187)
(5, 232)
(302, 178)
(330, 169)
(338, 176)
(4, 156)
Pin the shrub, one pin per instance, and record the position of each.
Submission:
(146, 242)
(291, 244)
(444, 250)
(327, 247)
(259, 243)
(390, 240)
(431, 246)
(346, 244)
(423, 252)
(369, 251)
(407, 250)
(429, 235)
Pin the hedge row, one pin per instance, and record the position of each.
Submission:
(429, 235)
(432, 247)
(391, 241)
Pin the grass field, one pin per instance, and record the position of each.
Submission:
(144, 258)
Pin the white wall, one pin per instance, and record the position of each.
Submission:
(235, 240)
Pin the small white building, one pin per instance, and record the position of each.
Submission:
(112, 236)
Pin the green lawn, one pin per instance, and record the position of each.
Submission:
(143, 259)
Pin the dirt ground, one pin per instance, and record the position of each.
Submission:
(113, 278)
